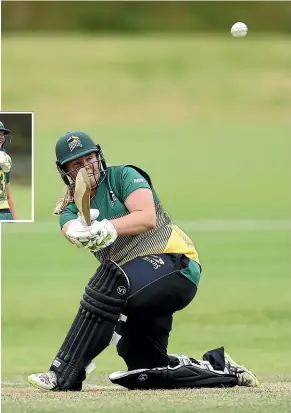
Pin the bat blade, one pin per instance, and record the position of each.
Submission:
(82, 194)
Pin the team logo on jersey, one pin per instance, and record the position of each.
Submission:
(73, 142)
(113, 198)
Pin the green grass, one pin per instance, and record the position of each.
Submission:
(148, 79)
(208, 118)
(241, 304)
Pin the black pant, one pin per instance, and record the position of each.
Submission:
(158, 289)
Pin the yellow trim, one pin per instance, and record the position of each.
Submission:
(4, 204)
(180, 243)
(2, 186)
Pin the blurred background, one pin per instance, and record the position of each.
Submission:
(20, 150)
(162, 85)
(145, 17)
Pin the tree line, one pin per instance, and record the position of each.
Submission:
(144, 17)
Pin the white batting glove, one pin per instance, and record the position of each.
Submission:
(94, 237)
(5, 162)
(103, 234)
(77, 232)
(94, 214)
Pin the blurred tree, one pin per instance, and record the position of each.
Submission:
(118, 16)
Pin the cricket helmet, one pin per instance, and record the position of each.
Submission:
(73, 145)
(7, 134)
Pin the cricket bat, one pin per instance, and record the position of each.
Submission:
(82, 194)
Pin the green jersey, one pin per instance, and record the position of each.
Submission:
(112, 192)
(4, 180)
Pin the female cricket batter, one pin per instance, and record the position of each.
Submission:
(7, 205)
(149, 270)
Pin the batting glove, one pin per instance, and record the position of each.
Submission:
(103, 234)
(94, 214)
(94, 237)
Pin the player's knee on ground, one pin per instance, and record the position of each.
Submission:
(185, 373)
(157, 292)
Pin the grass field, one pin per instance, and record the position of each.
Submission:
(208, 118)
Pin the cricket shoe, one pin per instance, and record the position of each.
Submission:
(245, 377)
(44, 381)
(49, 381)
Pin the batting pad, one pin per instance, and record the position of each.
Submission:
(101, 306)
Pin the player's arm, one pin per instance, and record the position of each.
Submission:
(141, 218)
(142, 213)
(11, 202)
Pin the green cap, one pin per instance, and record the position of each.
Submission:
(73, 145)
(3, 129)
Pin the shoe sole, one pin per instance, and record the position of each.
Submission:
(231, 361)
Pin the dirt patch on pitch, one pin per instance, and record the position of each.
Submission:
(9, 393)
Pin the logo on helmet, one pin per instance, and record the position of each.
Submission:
(73, 142)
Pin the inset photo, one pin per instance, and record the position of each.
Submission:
(16, 167)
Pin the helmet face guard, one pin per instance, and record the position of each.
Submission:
(6, 133)
(98, 165)
(7, 141)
